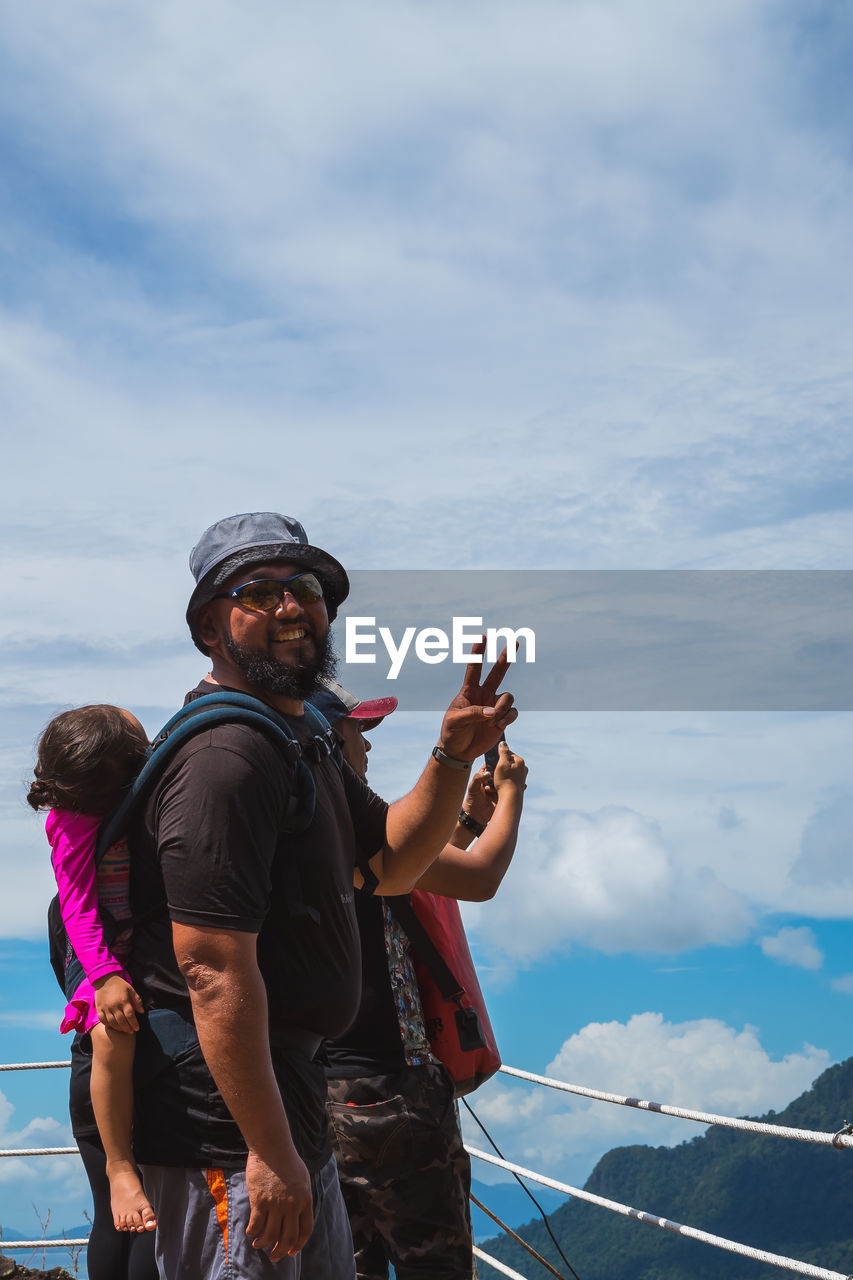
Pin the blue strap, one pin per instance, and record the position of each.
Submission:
(211, 709)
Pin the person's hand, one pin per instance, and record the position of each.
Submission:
(477, 716)
(510, 770)
(282, 1207)
(481, 798)
(116, 1003)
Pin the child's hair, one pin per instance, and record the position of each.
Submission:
(86, 758)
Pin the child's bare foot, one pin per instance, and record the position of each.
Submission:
(129, 1203)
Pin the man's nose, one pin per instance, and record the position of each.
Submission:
(368, 745)
(289, 605)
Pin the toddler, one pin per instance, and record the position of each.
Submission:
(86, 760)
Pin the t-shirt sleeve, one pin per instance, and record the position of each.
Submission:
(217, 818)
(369, 814)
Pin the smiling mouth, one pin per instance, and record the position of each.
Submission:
(290, 633)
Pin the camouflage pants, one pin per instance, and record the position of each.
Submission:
(404, 1173)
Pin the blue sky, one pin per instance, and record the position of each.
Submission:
(557, 286)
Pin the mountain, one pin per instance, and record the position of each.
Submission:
(787, 1197)
(45, 1262)
(509, 1202)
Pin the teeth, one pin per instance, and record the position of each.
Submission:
(293, 633)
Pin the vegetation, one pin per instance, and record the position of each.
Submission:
(786, 1197)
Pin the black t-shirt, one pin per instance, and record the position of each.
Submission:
(372, 1044)
(213, 843)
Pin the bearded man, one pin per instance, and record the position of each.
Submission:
(254, 959)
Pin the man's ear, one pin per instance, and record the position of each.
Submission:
(206, 627)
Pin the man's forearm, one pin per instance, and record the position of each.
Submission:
(419, 825)
(230, 1013)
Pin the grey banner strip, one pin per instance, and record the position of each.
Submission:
(664, 640)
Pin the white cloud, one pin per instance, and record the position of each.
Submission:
(796, 946)
(609, 880)
(584, 219)
(704, 1065)
(844, 984)
(58, 1181)
(826, 847)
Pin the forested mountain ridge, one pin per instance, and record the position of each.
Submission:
(788, 1197)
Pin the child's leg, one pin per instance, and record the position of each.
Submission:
(112, 1102)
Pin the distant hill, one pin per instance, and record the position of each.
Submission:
(787, 1197)
(39, 1262)
(510, 1203)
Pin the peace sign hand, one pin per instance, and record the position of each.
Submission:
(477, 716)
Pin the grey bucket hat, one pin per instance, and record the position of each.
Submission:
(258, 538)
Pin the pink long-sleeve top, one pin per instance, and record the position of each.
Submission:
(72, 840)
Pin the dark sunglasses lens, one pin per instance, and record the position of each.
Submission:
(306, 588)
(260, 597)
(263, 597)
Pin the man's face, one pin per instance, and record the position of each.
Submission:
(354, 744)
(281, 652)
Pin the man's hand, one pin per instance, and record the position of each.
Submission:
(117, 1003)
(282, 1207)
(477, 717)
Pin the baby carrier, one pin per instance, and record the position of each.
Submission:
(200, 714)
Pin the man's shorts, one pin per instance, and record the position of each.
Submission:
(404, 1173)
(201, 1228)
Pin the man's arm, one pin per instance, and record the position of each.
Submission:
(230, 1012)
(420, 824)
(474, 876)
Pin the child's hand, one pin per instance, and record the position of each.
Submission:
(117, 1003)
(510, 770)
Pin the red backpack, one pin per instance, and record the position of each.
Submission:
(457, 1024)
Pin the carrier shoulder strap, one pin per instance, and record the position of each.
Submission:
(227, 707)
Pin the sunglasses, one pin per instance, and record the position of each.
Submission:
(266, 594)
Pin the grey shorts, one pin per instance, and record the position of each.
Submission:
(201, 1228)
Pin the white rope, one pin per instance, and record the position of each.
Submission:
(32, 1066)
(703, 1117)
(42, 1151)
(814, 1136)
(498, 1266)
(12, 1246)
(774, 1259)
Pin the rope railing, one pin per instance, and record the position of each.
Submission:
(19, 1246)
(498, 1266)
(32, 1066)
(38, 1151)
(41, 1151)
(843, 1138)
(838, 1140)
(731, 1246)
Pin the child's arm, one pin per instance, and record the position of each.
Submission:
(117, 1003)
(72, 838)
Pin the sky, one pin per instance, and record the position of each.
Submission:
(558, 286)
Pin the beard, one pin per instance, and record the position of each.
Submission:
(270, 675)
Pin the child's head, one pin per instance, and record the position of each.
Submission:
(86, 758)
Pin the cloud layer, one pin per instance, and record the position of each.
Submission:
(609, 880)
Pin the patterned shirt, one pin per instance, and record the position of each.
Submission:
(404, 989)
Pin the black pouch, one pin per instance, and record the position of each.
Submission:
(469, 1030)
